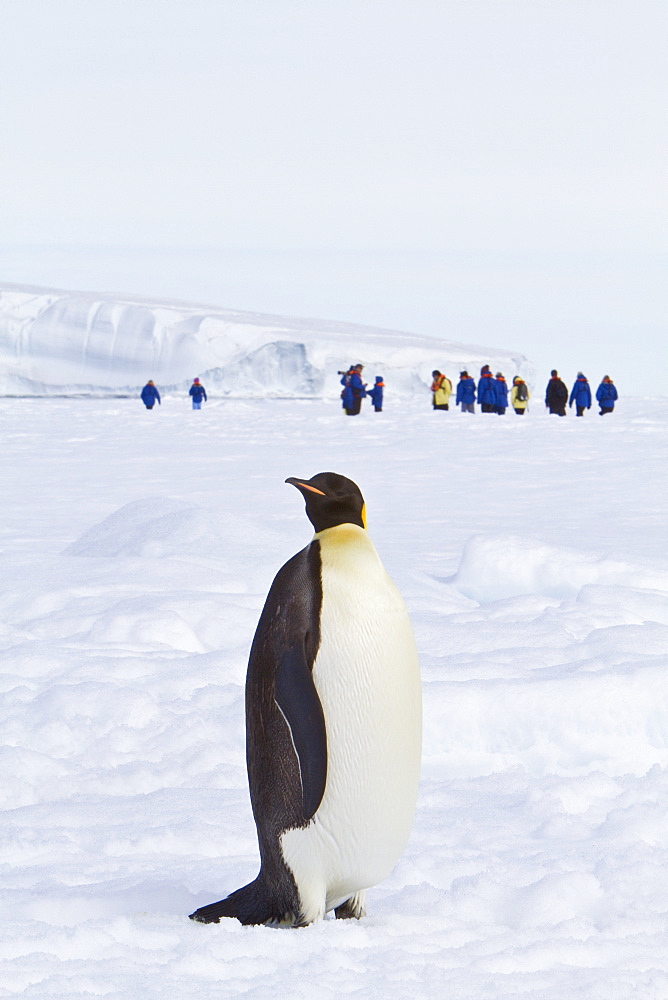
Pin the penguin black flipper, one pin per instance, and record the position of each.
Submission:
(285, 753)
(298, 700)
(286, 742)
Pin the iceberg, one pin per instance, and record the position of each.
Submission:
(71, 343)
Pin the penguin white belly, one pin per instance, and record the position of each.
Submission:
(367, 676)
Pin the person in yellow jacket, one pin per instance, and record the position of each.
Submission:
(519, 396)
(441, 388)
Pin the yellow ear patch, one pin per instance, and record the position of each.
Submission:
(364, 514)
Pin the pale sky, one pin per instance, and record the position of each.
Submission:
(479, 127)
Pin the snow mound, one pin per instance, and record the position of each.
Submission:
(495, 567)
(159, 528)
(77, 343)
(536, 865)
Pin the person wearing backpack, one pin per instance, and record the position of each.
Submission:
(580, 395)
(519, 396)
(441, 389)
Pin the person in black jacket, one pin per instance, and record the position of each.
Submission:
(556, 395)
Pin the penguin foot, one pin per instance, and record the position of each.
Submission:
(353, 908)
(252, 904)
(205, 916)
(214, 912)
(248, 905)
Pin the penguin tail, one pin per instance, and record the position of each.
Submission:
(250, 905)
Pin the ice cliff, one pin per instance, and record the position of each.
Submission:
(64, 343)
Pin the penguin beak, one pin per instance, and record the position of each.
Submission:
(304, 486)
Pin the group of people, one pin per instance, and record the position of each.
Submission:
(354, 390)
(556, 395)
(150, 395)
(493, 394)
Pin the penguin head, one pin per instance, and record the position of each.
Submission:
(331, 500)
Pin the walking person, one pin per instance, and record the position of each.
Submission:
(519, 396)
(501, 394)
(150, 395)
(487, 393)
(465, 393)
(580, 395)
(376, 393)
(441, 388)
(556, 394)
(607, 396)
(198, 393)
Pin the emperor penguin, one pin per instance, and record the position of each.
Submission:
(333, 723)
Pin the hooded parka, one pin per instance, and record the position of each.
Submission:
(487, 391)
(580, 394)
(606, 395)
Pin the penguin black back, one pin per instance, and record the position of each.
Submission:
(286, 740)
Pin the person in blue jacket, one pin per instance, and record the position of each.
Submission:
(580, 395)
(354, 390)
(606, 395)
(465, 393)
(501, 393)
(150, 395)
(487, 392)
(376, 393)
(198, 393)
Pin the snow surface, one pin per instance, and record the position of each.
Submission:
(89, 344)
(137, 548)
